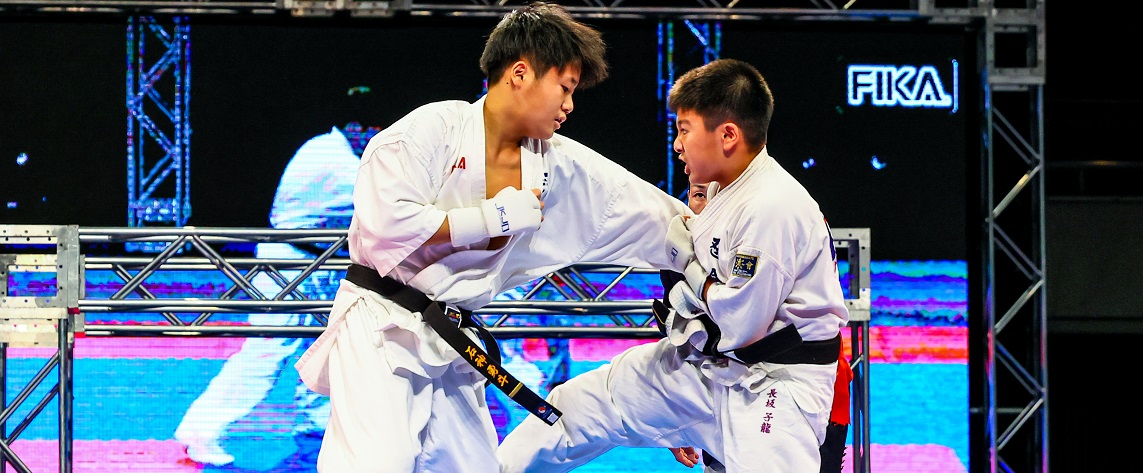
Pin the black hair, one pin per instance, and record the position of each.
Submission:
(726, 90)
(547, 36)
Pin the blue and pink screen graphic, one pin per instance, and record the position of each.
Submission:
(131, 394)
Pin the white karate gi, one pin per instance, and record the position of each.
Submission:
(769, 246)
(403, 400)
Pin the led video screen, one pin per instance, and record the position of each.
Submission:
(876, 120)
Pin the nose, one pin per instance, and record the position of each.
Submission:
(677, 144)
(568, 105)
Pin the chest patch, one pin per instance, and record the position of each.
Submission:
(459, 164)
(744, 265)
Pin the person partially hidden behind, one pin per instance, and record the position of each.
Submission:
(746, 370)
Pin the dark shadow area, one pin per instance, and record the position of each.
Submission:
(1087, 375)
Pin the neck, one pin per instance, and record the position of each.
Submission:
(499, 136)
(739, 160)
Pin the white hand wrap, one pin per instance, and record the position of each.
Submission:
(681, 254)
(509, 212)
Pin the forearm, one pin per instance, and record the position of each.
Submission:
(745, 312)
(442, 235)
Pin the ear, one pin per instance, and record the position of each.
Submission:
(731, 136)
(517, 72)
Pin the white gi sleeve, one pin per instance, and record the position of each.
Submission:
(633, 225)
(393, 202)
(744, 307)
(783, 273)
(628, 229)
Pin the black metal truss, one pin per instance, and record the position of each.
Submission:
(1008, 399)
(584, 309)
(698, 10)
(199, 250)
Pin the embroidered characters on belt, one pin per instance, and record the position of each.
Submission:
(498, 374)
(745, 265)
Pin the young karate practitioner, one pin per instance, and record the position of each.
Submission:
(833, 449)
(455, 203)
(746, 372)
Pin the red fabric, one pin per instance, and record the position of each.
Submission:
(840, 412)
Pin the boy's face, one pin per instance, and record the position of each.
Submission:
(699, 149)
(546, 101)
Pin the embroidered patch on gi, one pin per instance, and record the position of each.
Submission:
(744, 265)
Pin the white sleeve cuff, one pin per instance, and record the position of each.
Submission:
(466, 226)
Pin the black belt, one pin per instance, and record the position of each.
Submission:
(787, 347)
(784, 346)
(448, 322)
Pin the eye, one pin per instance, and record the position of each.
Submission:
(566, 89)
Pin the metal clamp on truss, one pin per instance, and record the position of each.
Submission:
(855, 243)
(41, 283)
(368, 8)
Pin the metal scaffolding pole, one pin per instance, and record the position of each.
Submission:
(707, 46)
(158, 122)
(586, 309)
(1008, 418)
(30, 320)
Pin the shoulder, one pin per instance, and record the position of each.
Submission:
(431, 120)
(773, 195)
(780, 187)
(562, 151)
(428, 130)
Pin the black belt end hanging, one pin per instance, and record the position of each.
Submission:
(449, 322)
(444, 320)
